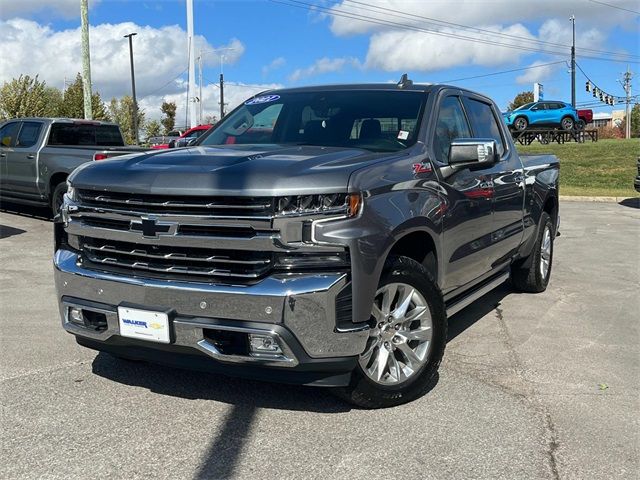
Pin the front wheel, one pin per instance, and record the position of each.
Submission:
(406, 344)
(520, 124)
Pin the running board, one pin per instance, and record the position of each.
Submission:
(476, 294)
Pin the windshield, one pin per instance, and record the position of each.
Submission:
(526, 106)
(380, 121)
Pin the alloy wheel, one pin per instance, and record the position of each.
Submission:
(545, 252)
(400, 342)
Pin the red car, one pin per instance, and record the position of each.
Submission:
(192, 133)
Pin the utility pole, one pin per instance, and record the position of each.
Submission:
(573, 62)
(626, 83)
(221, 96)
(86, 60)
(200, 87)
(134, 121)
(192, 66)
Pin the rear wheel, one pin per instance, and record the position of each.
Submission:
(57, 198)
(580, 125)
(567, 123)
(406, 345)
(534, 277)
(520, 124)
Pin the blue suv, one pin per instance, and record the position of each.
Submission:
(542, 114)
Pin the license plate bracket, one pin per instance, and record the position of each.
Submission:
(148, 325)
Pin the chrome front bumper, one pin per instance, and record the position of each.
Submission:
(297, 309)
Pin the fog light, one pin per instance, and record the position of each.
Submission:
(75, 316)
(264, 344)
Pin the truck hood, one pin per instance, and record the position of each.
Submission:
(249, 170)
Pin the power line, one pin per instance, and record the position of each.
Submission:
(368, 19)
(615, 6)
(166, 84)
(397, 13)
(504, 71)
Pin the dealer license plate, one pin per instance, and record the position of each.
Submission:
(144, 324)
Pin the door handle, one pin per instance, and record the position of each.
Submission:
(3, 155)
(31, 157)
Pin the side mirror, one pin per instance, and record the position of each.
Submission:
(473, 151)
(172, 144)
(191, 142)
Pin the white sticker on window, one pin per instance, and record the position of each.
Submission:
(403, 135)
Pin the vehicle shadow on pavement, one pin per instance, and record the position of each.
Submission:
(195, 385)
(41, 213)
(466, 318)
(630, 202)
(6, 231)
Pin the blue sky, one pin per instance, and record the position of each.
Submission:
(282, 45)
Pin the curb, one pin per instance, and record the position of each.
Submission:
(567, 198)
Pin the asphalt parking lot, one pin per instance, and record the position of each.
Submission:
(532, 386)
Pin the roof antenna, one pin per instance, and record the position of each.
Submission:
(404, 81)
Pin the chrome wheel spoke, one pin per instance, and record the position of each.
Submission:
(387, 298)
(415, 314)
(420, 334)
(377, 313)
(403, 305)
(380, 364)
(409, 355)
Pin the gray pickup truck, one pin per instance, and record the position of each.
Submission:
(38, 154)
(318, 235)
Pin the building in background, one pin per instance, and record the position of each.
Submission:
(607, 119)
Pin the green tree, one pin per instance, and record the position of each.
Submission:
(168, 116)
(635, 122)
(521, 99)
(27, 96)
(72, 105)
(153, 128)
(121, 112)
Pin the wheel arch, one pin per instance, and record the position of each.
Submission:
(54, 180)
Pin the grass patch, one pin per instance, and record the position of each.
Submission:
(603, 168)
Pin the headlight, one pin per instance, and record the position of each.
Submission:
(71, 193)
(332, 203)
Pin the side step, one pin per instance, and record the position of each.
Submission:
(476, 294)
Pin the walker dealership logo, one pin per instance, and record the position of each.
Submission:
(152, 228)
(134, 323)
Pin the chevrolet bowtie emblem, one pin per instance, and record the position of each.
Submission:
(152, 228)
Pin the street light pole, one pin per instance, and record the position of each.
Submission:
(133, 88)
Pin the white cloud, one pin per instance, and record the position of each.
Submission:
(160, 54)
(407, 36)
(324, 65)
(538, 72)
(59, 8)
(275, 64)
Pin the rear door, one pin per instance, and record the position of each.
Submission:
(22, 161)
(468, 195)
(507, 180)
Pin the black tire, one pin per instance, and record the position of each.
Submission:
(567, 124)
(527, 275)
(580, 125)
(364, 392)
(520, 124)
(57, 197)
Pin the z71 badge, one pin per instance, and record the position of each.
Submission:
(422, 167)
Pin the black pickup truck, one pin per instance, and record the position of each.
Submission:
(318, 235)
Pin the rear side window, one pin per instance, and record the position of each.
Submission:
(451, 124)
(483, 122)
(8, 133)
(85, 135)
(29, 134)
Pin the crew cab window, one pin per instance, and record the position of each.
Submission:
(483, 122)
(450, 125)
(29, 134)
(8, 133)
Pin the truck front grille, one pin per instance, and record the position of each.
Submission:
(202, 263)
(190, 205)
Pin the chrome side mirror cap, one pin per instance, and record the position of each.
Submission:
(473, 151)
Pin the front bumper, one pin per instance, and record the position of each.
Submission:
(298, 310)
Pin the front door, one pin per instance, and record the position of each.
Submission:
(468, 196)
(8, 134)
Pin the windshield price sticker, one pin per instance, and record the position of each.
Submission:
(263, 99)
(403, 135)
